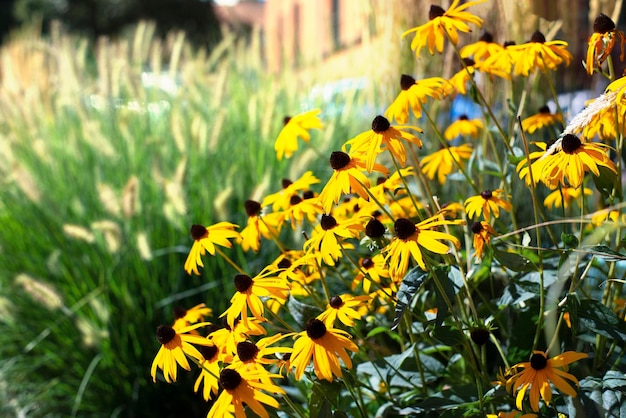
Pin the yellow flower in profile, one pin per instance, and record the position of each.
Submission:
(482, 236)
(301, 208)
(537, 161)
(565, 196)
(537, 375)
(487, 203)
(383, 137)
(412, 96)
(605, 215)
(411, 238)
(372, 269)
(326, 346)
(502, 60)
(241, 387)
(346, 308)
(573, 159)
(185, 317)
(482, 49)
(543, 118)
(442, 25)
(281, 200)
(209, 365)
(464, 127)
(602, 42)
(176, 345)
(205, 239)
(539, 54)
(297, 126)
(325, 239)
(441, 163)
(258, 226)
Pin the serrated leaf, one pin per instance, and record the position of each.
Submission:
(411, 283)
(512, 261)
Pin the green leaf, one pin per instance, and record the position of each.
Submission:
(408, 288)
(596, 317)
(570, 240)
(605, 252)
(448, 335)
(513, 261)
(324, 395)
(605, 182)
(301, 312)
(515, 160)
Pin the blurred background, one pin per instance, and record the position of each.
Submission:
(117, 120)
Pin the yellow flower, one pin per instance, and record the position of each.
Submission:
(412, 96)
(185, 317)
(564, 196)
(537, 161)
(539, 54)
(175, 347)
(512, 414)
(205, 239)
(326, 345)
(606, 215)
(281, 200)
(258, 225)
(301, 208)
(326, 236)
(227, 337)
(443, 24)
(255, 357)
(411, 237)
(464, 127)
(346, 308)
(209, 371)
(481, 50)
(442, 163)
(482, 236)
(503, 60)
(488, 202)
(537, 375)
(372, 269)
(541, 119)
(296, 126)
(602, 42)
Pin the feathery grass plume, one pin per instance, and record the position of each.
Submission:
(108, 199)
(111, 232)
(26, 182)
(79, 232)
(130, 197)
(143, 246)
(43, 293)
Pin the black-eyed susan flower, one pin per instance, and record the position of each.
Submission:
(602, 42)
(537, 161)
(465, 127)
(243, 387)
(573, 159)
(563, 197)
(502, 60)
(205, 239)
(539, 373)
(600, 217)
(348, 177)
(487, 203)
(176, 345)
(482, 49)
(539, 54)
(411, 238)
(209, 365)
(441, 163)
(227, 337)
(512, 414)
(256, 356)
(326, 346)
(185, 317)
(344, 307)
(249, 295)
(442, 25)
(295, 127)
(540, 119)
(281, 200)
(383, 137)
(482, 236)
(371, 269)
(326, 237)
(301, 208)
(258, 226)
(412, 96)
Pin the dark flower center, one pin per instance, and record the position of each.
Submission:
(179, 312)
(477, 227)
(480, 336)
(208, 351)
(380, 124)
(508, 43)
(367, 263)
(294, 200)
(537, 37)
(469, 62)
(406, 81)
(247, 350)
(309, 194)
(243, 282)
(486, 194)
(486, 37)
(315, 329)
(284, 264)
(286, 356)
(538, 361)
(253, 208)
(463, 117)
(404, 228)
(286, 183)
(230, 379)
(339, 159)
(165, 334)
(435, 11)
(328, 222)
(544, 110)
(603, 24)
(286, 120)
(570, 143)
(380, 180)
(197, 231)
(374, 229)
(336, 302)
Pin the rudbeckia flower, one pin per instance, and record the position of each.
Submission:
(442, 25)
(464, 127)
(297, 126)
(537, 161)
(209, 365)
(255, 356)
(539, 54)
(412, 96)
(383, 137)
(258, 225)
(602, 42)
(482, 49)
(482, 236)
(372, 269)
(281, 200)
(441, 163)
(573, 159)
(326, 345)
(512, 414)
(487, 203)
(227, 337)
(537, 375)
(205, 239)
(503, 60)
(411, 238)
(347, 177)
(249, 294)
(239, 388)
(326, 236)
(543, 118)
(565, 196)
(185, 317)
(301, 208)
(602, 216)
(176, 345)
(346, 308)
